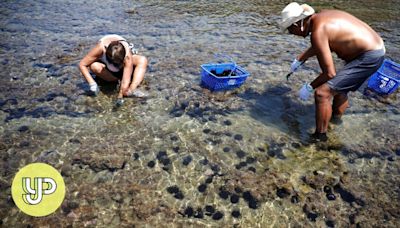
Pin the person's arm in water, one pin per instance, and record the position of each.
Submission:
(320, 45)
(90, 58)
(126, 77)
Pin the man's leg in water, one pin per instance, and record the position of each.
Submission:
(339, 106)
(323, 110)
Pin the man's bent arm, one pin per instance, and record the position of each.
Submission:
(320, 45)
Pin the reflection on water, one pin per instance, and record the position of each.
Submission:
(184, 155)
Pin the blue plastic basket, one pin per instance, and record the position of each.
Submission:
(386, 80)
(209, 79)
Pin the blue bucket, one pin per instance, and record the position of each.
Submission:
(222, 76)
(386, 80)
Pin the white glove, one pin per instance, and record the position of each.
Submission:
(94, 88)
(305, 92)
(295, 65)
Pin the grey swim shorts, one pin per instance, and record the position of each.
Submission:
(354, 73)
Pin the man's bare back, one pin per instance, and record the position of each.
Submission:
(347, 36)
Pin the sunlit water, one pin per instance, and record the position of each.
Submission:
(185, 156)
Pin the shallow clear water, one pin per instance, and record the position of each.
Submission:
(153, 160)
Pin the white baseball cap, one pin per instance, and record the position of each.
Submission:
(294, 12)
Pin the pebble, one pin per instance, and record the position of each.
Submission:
(186, 161)
(330, 223)
(238, 137)
(202, 188)
(174, 138)
(209, 210)
(135, 156)
(23, 128)
(218, 215)
(240, 154)
(252, 202)
(206, 131)
(224, 194)
(189, 212)
(151, 164)
(227, 149)
(327, 189)
(282, 192)
(252, 169)
(294, 199)
(312, 216)
(236, 214)
(209, 180)
(198, 213)
(176, 149)
(250, 160)
(204, 161)
(234, 198)
(330, 196)
(228, 122)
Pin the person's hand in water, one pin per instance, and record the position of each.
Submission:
(94, 88)
(136, 93)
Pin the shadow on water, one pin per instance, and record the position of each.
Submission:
(275, 107)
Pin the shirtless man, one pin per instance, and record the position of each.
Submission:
(112, 59)
(351, 39)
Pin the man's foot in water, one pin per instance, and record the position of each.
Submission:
(318, 137)
(336, 119)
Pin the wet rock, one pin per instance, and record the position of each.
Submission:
(250, 160)
(294, 199)
(215, 169)
(75, 141)
(390, 159)
(327, 189)
(330, 223)
(189, 212)
(24, 144)
(252, 169)
(23, 128)
(176, 149)
(204, 161)
(202, 188)
(186, 160)
(330, 196)
(238, 137)
(218, 215)
(251, 201)
(238, 190)
(261, 149)
(235, 213)
(209, 180)
(226, 149)
(282, 192)
(223, 193)
(240, 154)
(176, 192)
(312, 216)
(174, 138)
(206, 131)
(151, 164)
(234, 198)
(135, 156)
(198, 213)
(210, 210)
(228, 122)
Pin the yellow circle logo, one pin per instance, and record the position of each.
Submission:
(38, 189)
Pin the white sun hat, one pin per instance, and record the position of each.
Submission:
(294, 12)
